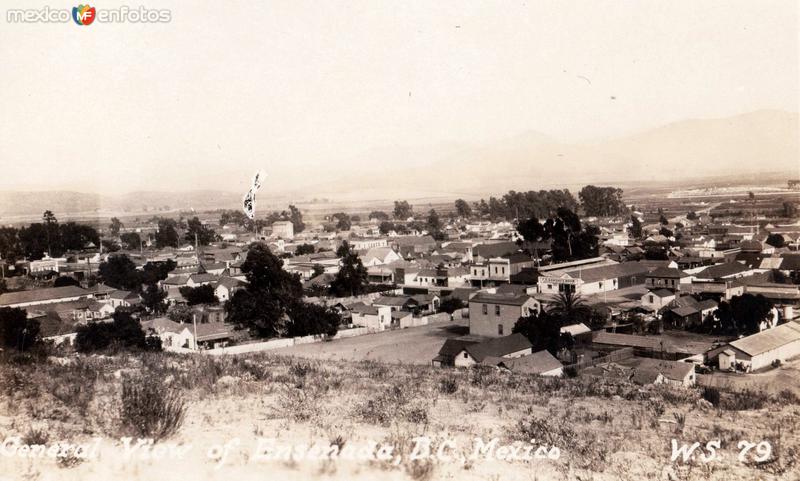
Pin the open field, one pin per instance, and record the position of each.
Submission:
(604, 430)
(415, 345)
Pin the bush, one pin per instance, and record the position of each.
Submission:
(448, 385)
(151, 409)
(711, 394)
(17, 331)
(745, 400)
(124, 332)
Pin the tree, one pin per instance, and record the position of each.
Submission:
(124, 332)
(130, 240)
(75, 237)
(775, 240)
(543, 331)
(378, 215)
(666, 232)
(10, 246)
(343, 249)
(789, 209)
(33, 241)
(63, 281)
(635, 229)
(569, 308)
(571, 241)
(263, 304)
(153, 299)
(119, 272)
(662, 219)
(385, 227)
(180, 313)
(307, 319)
(51, 224)
(451, 304)
(462, 208)
(742, 315)
(198, 232)
(319, 269)
(16, 330)
(692, 215)
(109, 245)
(167, 235)
(156, 271)
(402, 210)
(433, 223)
(296, 217)
(351, 279)
(115, 226)
(342, 221)
(199, 295)
(303, 249)
(602, 201)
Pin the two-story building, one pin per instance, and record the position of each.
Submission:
(494, 315)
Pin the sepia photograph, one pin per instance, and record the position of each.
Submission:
(411, 241)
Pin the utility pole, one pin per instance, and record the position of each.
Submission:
(194, 324)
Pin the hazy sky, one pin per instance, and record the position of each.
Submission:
(293, 86)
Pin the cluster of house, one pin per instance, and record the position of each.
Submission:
(495, 274)
(680, 292)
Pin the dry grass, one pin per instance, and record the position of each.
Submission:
(605, 429)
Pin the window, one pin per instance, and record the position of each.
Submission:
(652, 299)
(499, 329)
(496, 310)
(485, 309)
(466, 355)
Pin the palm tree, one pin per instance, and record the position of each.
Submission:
(570, 308)
(49, 219)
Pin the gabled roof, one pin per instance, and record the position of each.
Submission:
(609, 272)
(42, 295)
(721, 270)
(395, 301)
(662, 293)
(616, 339)
(498, 347)
(123, 295)
(536, 363)
(230, 282)
(684, 311)
(667, 272)
(451, 347)
(212, 330)
(508, 299)
(176, 280)
(707, 304)
(203, 277)
(768, 340)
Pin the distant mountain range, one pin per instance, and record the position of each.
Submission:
(752, 143)
(686, 151)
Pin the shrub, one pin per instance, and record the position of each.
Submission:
(448, 385)
(745, 400)
(711, 394)
(124, 332)
(150, 409)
